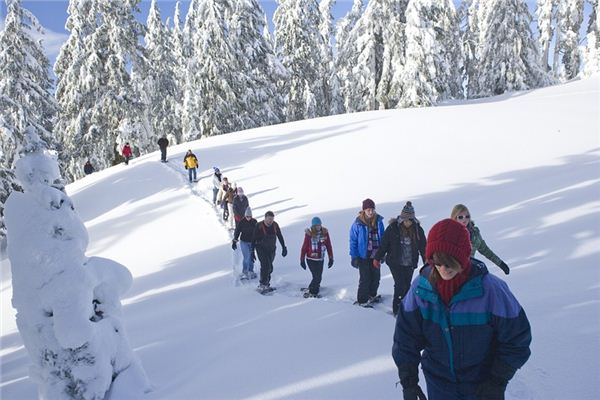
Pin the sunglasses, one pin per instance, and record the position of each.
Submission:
(463, 216)
(445, 266)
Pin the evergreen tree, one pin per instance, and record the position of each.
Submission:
(298, 45)
(591, 53)
(508, 58)
(468, 14)
(545, 16)
(159, 83)
(25, 99)
(259, 69)
(100, 106)
(333, 103)
(433, 70)
(567, 59)
(346, 48)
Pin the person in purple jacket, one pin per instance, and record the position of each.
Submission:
(461, 323)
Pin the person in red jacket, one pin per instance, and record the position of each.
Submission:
(316, 243)
(127, 154)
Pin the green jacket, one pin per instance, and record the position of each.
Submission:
(478, 244)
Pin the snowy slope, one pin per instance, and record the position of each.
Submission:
(526, 164)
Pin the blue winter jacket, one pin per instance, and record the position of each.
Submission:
(359, 236)
(482, 331)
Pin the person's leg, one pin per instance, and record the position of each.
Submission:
(163, 154)
(215, 191)
(194, 172)
(316, 269)
(405, 279)
(364, 281)
(397, 275)
(264, 262)
(375, 278)
(190, 174)
(269, 267)
(247, 258)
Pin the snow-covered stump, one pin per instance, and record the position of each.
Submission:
(68, 305)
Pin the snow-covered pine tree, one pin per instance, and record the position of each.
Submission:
(333, 101)
(378, 41)
(297, 43)
(468, 15)
(180, 70)
(567, 60)
(434, 57)
(160, 80)
(25, 98)
(100, 107)
(545, 11)
(591, 54)
(508, 59)
(346, 49)
(259, 69)
(68, 305)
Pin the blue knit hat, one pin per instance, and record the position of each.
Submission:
(315, 221)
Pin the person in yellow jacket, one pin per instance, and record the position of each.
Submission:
(191, 163)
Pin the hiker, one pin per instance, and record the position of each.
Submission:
(402, 242)
(461, 323)
(88, 168)
(365, 237)
(163, 142)
(266, 234)
(244, 232)
(191, 163)
(240, 204)
(221, 201)
(461, 213)
(216, 184)
(127, 153)
(316, 244)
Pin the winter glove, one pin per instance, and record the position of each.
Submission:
(234, 244)
(303, 264)
(411, 389)
(284, 251)
(354, 262)
(376, 263)
(330, 263)
(491, 389)
(504, 268)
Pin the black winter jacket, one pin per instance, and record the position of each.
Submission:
(240, 203)
(391, 245)
(246, 229)
(265, 237)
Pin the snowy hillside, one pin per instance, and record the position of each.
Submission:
(526, 165)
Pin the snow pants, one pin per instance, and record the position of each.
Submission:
(368, 282)
(192, 174)
(316, 269)
(163, 154)
(266, 257)
(402, 275)
(248, 264)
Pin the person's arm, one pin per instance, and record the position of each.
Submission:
(482, 247)
(279, 235)
(328, 246)
(353, 240)
(305, 247)
(422, 243)
(385, 244)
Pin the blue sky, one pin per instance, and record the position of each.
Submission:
(52, 14)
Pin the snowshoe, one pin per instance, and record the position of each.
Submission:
(252, 275)
(365, 305)
(375, 299)
(309, 294)
(244, 276)
(265, 289)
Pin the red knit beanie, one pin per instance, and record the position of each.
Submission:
(450, 237)
(368, 203)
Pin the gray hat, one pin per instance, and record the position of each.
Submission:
(248, 212)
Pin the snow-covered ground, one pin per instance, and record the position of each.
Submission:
(526, 164)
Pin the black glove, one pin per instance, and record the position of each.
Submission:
(354, 262)
(504, 268)
(234, 244)
(491, 389)
(284, 251)
(303, 264)
(330, 263)
(413, 393)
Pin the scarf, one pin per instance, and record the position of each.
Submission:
(447, 289)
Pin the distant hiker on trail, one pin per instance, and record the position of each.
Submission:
(240, 203)
(461, 213)
(228, 204)
(88, 168)
(365, 237)
(264, 241)
(163, 143)
(127, 153)
(244, 231)
(461, 323)
(221, 201)
(191, 163)
(216, 184)
(316, 244)
(402, 242)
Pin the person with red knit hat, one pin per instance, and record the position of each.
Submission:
(365, 238)
(461, 323)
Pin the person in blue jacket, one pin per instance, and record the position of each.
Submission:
(365, 238)
(461, 323)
